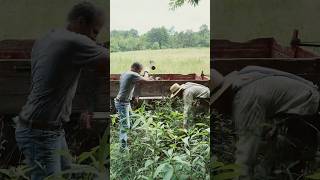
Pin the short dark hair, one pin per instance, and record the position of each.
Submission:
(88, 11)
(136, 65)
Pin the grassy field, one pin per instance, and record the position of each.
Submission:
(174, 61)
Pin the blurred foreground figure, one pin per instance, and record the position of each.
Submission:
(194, 96)
(56, 62)
(128, 80)
(260, 101)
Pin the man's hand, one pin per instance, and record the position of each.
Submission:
(136, 99)
(86, 119)
(146, 77)
(146, 74)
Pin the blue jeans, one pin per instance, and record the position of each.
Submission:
(41, 150)
(124, 112)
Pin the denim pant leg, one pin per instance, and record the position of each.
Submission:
(65, 161)
(123, 110)
(40, 149)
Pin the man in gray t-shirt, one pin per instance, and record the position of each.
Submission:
(128, 81)
(56, 62)
(127, 84)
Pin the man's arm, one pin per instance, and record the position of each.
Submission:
(145, 77)
(100, 65)
(249, 116)
(88, 53)
(187, 109)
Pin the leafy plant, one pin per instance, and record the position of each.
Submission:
(88, 165)
(277, 157)
(15, 173)
(159, 147)
(222, 171)
(315, 175)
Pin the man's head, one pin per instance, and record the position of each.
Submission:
(136, 67)
(176, 90)
(87, 19)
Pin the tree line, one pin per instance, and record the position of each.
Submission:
(158, 38)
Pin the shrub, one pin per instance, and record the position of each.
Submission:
(159, 147)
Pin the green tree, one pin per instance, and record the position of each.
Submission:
(158, 38)
(159, 35)
(204, 36)
(189, 39)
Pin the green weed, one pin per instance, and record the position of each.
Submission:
(160, 148)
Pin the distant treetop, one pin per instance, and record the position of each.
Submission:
(159, 38)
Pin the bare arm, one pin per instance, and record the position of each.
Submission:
(145, 77)
(100, 65)
(89, 54)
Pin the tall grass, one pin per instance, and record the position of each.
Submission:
(173, 61)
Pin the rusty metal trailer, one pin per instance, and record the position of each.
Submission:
(228, 56)
(158, 88)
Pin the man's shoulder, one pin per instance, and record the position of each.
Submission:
(65, 36)
(130, 74)
(193, 85)
(53, 36)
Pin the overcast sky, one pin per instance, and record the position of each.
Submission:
(143, 15)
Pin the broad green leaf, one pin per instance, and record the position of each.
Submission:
(148, 163)
(314, 176)
(186, 140)
(226, 176)
(217, 164)
(187, 151)
(194, 162)
(169, 172)
(84, 156)
(5, 172)
(141, 169)
(156, 158)
(201, 124)
(159, 169)
(178, 159)
(230, 167)
(136, 123)
(165, 152)
(170, 151)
